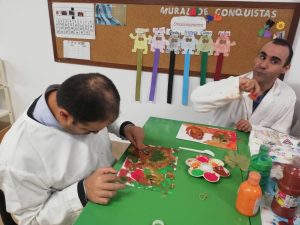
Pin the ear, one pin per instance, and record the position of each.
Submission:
(286, 68)
(65, 117)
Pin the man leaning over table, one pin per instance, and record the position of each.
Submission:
(274, 101)
(57, 155)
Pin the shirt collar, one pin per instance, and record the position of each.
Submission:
(42, 112)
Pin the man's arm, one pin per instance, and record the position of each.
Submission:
(215, 94)
(32, 203)
(126, 129)
(285, 122)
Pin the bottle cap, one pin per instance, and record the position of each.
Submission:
(264, 149)
(254, 178)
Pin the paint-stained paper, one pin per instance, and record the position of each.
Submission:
(152, 168)
(208, 135)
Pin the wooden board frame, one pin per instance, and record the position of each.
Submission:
(239, 61)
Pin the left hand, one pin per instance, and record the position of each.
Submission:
(135, 135)
(244, 125)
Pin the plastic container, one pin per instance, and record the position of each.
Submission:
(249, 195)
(287, 197)
(262, 163)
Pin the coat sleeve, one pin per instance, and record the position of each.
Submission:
(32, 203)
(284, 124)
(115, 126)
(215, 94)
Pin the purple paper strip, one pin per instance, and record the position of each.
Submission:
(154, 74)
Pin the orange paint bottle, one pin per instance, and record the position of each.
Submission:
(249, 195)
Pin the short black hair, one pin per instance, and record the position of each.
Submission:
(89, 97)
(285, 43)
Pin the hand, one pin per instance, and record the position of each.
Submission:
(250, 85)
(244, 125)
(135, 135)
(102, 185)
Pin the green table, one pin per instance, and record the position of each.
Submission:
(134, 206)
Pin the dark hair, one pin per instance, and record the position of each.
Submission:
(285, 43)
(89, 97)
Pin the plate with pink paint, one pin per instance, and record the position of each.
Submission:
(211, 169)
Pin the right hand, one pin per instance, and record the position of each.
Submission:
(102, 185)
(250, 85)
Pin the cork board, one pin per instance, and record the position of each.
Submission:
(112, 45)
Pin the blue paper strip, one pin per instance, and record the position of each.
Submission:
(186, 73)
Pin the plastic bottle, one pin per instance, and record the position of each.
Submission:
(287, 197)
(262, 163)
(249, 195)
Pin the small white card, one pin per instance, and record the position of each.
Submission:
(77, 50)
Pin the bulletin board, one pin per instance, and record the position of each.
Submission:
(112, 46)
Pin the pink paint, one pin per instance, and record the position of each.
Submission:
(202, 158)
(211, 177)
(138, 174)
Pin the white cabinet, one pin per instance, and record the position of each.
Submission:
(6, 113)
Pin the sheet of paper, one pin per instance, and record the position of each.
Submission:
(74, 20)
(76, 50)
(208, 135)
(152, 168)
(283, 148)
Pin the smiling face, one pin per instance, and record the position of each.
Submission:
(270, 64)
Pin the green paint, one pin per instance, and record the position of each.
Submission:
(168, 180)
(162, 170)
(170, 168)
(157, 156)
(197, 173)
(147, 172)
(123, 180)
(133, 158)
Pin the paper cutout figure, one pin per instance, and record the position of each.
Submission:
(152, 168)
(265, 31)
(208, 135)
(173, 43)
(158, 40)
(223, 44)
(188, 42)
(205, 44)
(173, 47)
(140, 40)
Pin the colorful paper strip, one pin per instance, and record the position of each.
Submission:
(186, 72)
(138, 74)
(154, 74)
(171, 76)
(204, 57)
(219, 67)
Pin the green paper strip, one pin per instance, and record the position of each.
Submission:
(204, 57)
(138, 75)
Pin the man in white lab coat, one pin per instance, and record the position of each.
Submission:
(256, 98)
(57, 156)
